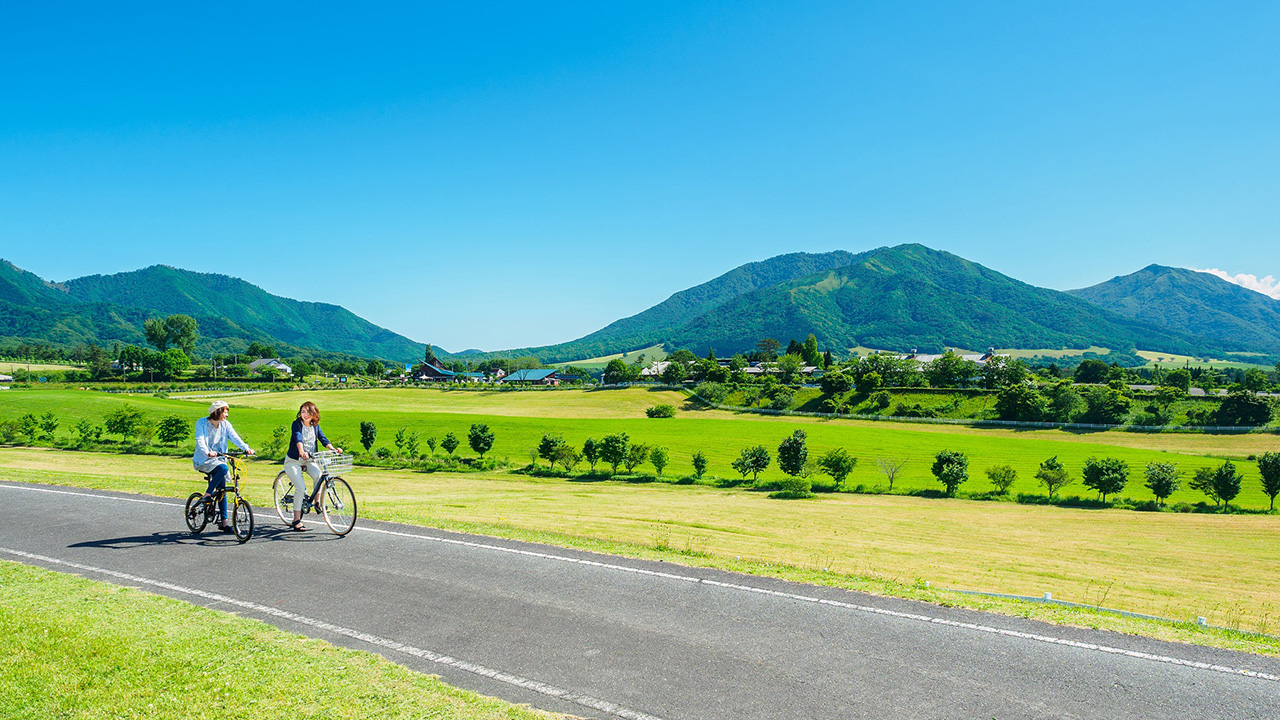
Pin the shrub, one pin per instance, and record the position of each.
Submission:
(9, 431)
(712, 392)
(1108, 476)
(661, 411)
(89, 433)
(411, 444)
(123, 421)
(383, 453)
(782, 399)
(951, 469)
(793, 453)
(48, 425)
(29, 426)
(881, 400)
(793, 488)
(837, 383)
(568, 457)
(1002, 477)
(480, 438)
(699, 464)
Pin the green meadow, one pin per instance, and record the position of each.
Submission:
(519, 418)
(75, 648)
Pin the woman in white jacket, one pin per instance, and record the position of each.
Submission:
(212, 434)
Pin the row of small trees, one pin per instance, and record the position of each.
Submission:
(1109, 476)
(479, 437)
(125, 421)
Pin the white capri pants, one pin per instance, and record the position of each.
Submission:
(293, 468)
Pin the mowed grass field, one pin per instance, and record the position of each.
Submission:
(520, 418)
(1222, 567)
(75, 648)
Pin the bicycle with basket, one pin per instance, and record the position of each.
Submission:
(332, 497)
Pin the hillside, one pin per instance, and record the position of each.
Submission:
(1187, 301)
(910, 296)
(231, 313)
(660, 322)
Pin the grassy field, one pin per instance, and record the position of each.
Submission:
(84, 649)
(520, 418)
(7, 367)
(1179, 566)
(651, 354)
(1172, 361)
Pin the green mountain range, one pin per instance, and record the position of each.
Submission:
(1192, 302)
(230, 312)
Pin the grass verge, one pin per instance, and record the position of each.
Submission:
(85, 649)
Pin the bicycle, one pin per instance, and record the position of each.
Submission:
(332, 496)
(200, 510)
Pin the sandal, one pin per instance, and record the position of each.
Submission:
(297, 525)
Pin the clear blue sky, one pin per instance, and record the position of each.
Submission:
(495, 175)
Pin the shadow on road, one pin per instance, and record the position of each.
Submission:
(209, 539)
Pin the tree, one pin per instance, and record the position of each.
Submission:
(1002, 477)
(1105, 406)
(1107, 475)
(480, 438)
(1202, 480)
(613, 450)
(449, 443)
(174, 331)
(1242, 407)
(809, 351)
(1053, 475)
(1226, 483)
(29, 426)
(836, 383)
(173, 428)
(257, 350)
(1162, 480)
(48, 425)
(793, 453)
(1000, 371)
(1064, 401)
(659, 457)
(891, 468)
(122, 421)
(171, 363)
(1180, 378)
(1091, 371)
(368, 434)
(1254, 380)
(1020, 402)
(700, 464)
(375, 369)
(549, 446)
(277, 442)
(131, 357)
(752, 460)
(767, 349)
(411, 444)
(401, 435)
(951, 469)
(568, 457)
(1269, 466)
(950, 370)
(837, 463)
(591, 451)
(636, 454)
(618, 371)
(789, 367)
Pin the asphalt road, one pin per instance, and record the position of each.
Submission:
(601, 636)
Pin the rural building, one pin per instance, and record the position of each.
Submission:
(533, 377)
(273, 363)
(435, 372)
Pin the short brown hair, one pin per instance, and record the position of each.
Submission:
(311, 408)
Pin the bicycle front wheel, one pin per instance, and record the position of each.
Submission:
(282, 491)
(339, 506)
(242, 520)
(194, 513)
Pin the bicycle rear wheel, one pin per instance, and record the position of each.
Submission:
(339, 506)
(282, 491)
(194, 513)
(242, 520)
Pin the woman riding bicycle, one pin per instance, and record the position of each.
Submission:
(305, 435)
(212, 434)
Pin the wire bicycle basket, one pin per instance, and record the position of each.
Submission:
(333, 462)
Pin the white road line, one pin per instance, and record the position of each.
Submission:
(474, 668)
(790, 596)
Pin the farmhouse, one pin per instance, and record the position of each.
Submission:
(980, 358)
(435, 372)
(273, 363)
(533, 377)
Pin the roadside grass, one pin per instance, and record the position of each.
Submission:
(519, 419)
(85, 649)
(1221, 567)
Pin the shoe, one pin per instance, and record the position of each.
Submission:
(226, 528)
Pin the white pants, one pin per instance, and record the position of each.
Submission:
(293, 468)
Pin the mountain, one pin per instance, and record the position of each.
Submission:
(230, 312)
(903, 297)
(660, 322)
(1187, 301)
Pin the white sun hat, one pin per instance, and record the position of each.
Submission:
(217, 405)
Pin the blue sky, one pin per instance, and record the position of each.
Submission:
(496, 175)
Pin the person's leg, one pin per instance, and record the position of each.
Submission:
(217, 482)
(294, 470)
(313, 469)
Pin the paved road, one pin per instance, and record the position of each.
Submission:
(603, 637)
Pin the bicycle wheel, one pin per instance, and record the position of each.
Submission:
(282, 490)
(242, 520)
(339, 506)
(194, 513)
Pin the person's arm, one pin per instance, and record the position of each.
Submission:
(322, 439)
(202, 439)
(234, 437)
(297, 441)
